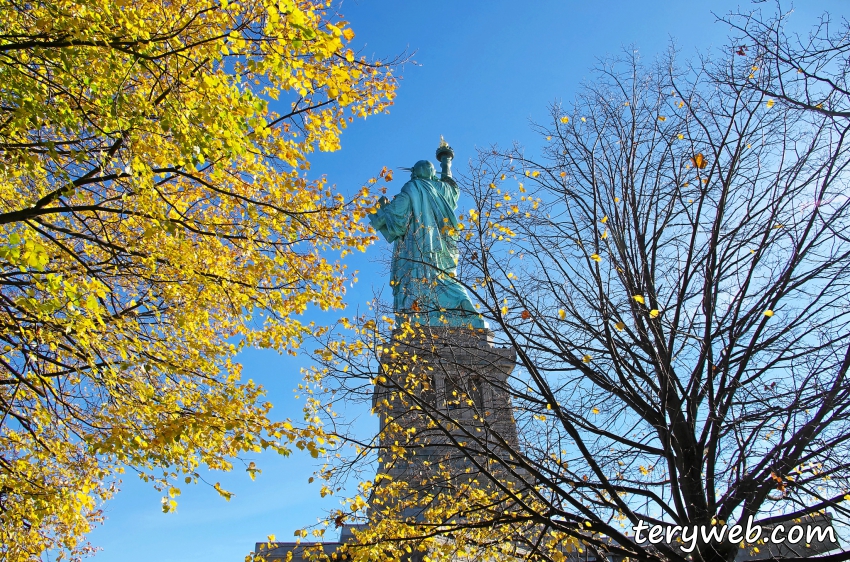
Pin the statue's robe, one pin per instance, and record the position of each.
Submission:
(421, 222)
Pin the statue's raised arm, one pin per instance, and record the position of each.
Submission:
(421, 222)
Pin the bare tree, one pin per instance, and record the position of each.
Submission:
(672, 273)
(807, 72)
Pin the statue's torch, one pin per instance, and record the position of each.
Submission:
(445, 155)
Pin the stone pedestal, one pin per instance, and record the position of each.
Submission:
(442, 397)
(444, 400)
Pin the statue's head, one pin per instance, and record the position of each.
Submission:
(423, 170)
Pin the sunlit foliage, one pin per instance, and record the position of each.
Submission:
(155, 218)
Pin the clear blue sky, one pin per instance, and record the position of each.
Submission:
(484, 69)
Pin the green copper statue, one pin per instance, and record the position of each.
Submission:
(421, 221)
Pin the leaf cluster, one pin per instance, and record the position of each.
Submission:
(156, 217)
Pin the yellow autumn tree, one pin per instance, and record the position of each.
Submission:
(155, 218)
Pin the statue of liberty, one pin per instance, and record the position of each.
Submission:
(421, 221)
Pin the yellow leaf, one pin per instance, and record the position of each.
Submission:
(639, 298)
(562, 314)
(596, 258)
(595, 410)
(604, 219)
(223, 493)
(605, 235)
(587, 358)
(681, 136)
(654, 313)
(620, 326)
(769, 103)
(699, 161)
(662, 118)
(565, 119)
(768, 313)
